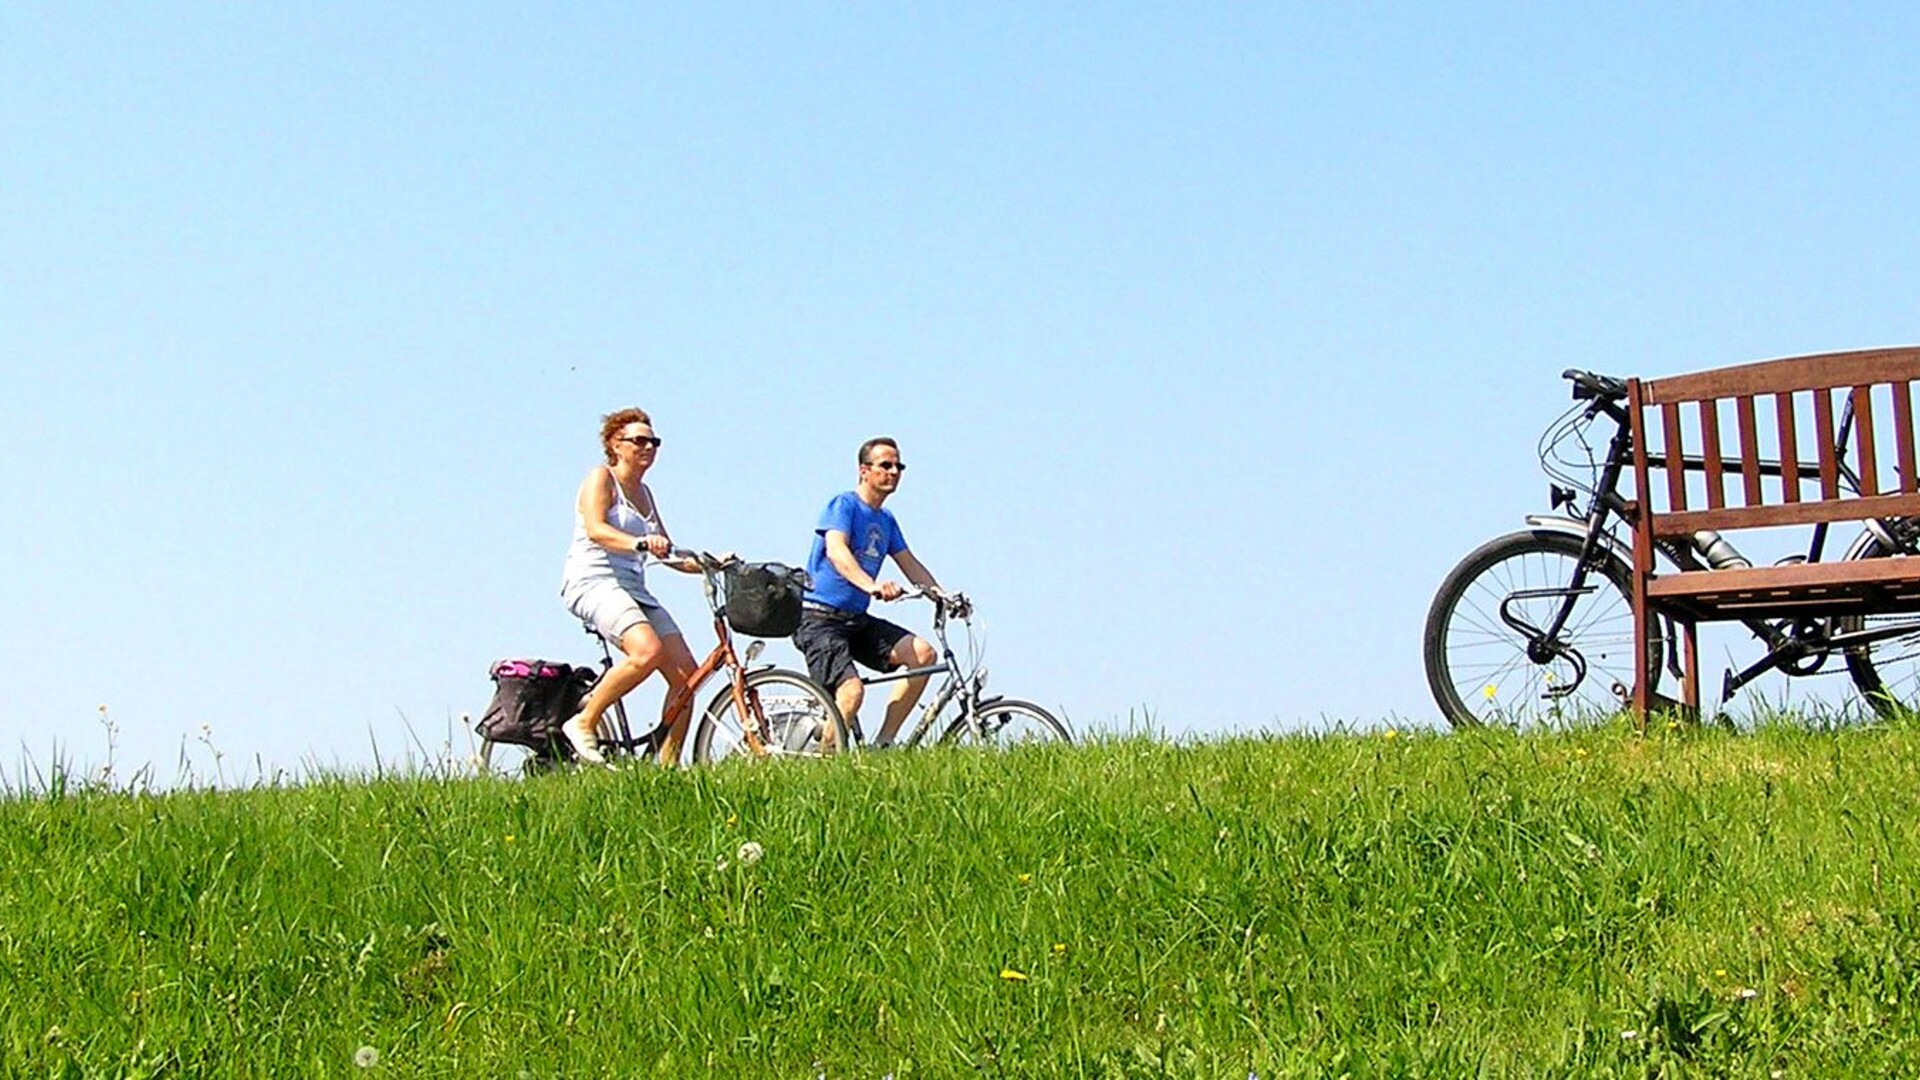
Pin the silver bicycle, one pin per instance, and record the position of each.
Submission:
(978, 718)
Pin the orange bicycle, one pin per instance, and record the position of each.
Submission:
(764, 712)
(761, 711)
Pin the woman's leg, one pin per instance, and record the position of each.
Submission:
(676, 663)
(641, 651)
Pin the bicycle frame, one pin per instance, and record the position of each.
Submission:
(681, 698)
(967, 689)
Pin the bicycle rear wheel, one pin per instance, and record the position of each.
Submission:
(1886, 671)
(795, 718)
(1007, 722)
(1483, 669)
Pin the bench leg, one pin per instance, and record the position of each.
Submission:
(1691, 698)
(1642, 686)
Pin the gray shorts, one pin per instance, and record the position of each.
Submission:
(612, 611)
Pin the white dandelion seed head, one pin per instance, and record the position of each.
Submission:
(749, 853)
(366, 1057)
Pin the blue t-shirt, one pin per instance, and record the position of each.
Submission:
(872, 534)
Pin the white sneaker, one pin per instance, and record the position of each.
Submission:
(583, 739)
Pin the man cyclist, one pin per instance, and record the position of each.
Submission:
(856, 534)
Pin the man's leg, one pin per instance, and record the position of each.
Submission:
(824, 642)
(910, 652)
(848, 695)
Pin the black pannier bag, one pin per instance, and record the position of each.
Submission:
(531, 699)
(763, 599)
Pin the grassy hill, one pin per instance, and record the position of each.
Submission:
(1594, 903)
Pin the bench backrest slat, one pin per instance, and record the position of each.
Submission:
(1903, 433)
(1690, 436)
(1710, 455)
(1676, 469)
(1823, 431)
(1749, 449)
(1789, 449)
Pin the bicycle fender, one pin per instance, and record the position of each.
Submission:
(1576, 528)
(1871, 534)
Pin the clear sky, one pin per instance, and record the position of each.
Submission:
(1213, 334)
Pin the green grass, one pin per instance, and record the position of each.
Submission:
(1592, 903)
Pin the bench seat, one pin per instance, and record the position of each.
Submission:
(1810, 589)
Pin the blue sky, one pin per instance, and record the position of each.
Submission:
(1213, 336)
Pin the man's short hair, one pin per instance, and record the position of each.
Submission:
(867, 447)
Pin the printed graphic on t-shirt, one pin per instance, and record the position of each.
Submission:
(876, 541)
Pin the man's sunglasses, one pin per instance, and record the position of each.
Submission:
(888, 466)
(641, 440)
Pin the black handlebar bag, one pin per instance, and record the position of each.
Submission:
(763, 599)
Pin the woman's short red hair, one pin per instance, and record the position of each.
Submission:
(611, 424)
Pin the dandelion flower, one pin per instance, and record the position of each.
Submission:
(1013, 976)
(366, 1057)
(749, 853)
(1390, 734)
(509, 838)
(1490, 691)
(1059, 948)
(1024, 878)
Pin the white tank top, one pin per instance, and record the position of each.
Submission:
(588, 562)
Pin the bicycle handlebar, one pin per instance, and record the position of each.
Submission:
(706, 560)
(953, 603)
(1588, 386)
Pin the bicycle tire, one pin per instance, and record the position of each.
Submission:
(798, 713)
(1008, 722)
(1886, 672)
(1478, 666)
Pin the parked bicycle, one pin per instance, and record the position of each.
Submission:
(1537, 626)
(978, 719)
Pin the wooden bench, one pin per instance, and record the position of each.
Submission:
(1755, 446)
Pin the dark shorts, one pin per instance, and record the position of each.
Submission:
(833, 640)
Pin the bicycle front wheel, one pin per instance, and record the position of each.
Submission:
(1886, 670)
(792, 715)
(1007, 722)
(1488, 660)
